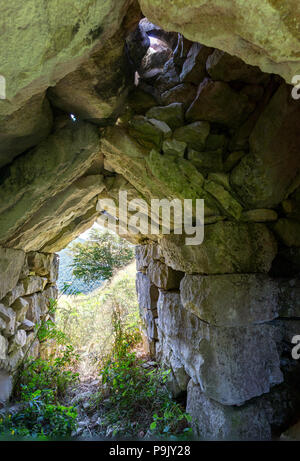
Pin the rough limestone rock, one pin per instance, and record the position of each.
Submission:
(194, 134)
(263, 33)
(3, 347)
(171, 114)
(149, 132)
(44, 264)
(228, 203)
(262, 178)
(213, 421)
(173, 147)
(11, 263)
(147, 292)
(96, 91)
(163, 276)
(193, 69)
(232, 364)
(227, 248)
(67, 154)
(56, 214)
(67, 34)
(289, 298)
(231, 299)
(222, 66)
(184, 93)
(24, 128)
(217, 102)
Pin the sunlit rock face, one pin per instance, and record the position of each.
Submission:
(105, 103)
(263, 33)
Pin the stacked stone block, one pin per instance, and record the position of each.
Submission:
(26, 288)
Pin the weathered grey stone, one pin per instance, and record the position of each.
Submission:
(3, 347)
(20, 306)
(6, 385)
(9, 316)
(213, 421)
(44, 264)
(25, 128)
(11, 263)
(59, 214)
(231, 299)
(227, 248)
(144, 254)
(67, 153)
(288, 230)
(167, 132)
(97, 89)
(27, 325)
(146, 291)
(232, 364)
(222, 66)
(262, 178)
(184, 93)
(217, 102)
(289, 298)
(194, 134)
(163, 276)
(34, 283)
(171, 114)
(173, 147)
(193, 69)
(18, 341)
(168, 78)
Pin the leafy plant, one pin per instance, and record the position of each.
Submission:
(98, 257)
(133, 398)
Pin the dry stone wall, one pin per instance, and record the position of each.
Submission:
(28, 284)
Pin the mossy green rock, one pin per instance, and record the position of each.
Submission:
(228, 247)
(206, 161)
(43, 172)
(194, 134)
(228, 203)
(171, 114)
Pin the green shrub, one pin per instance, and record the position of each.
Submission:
(98, 257)
(135, 399)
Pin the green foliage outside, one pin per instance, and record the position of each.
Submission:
(98, 257)
(134, 400)
(40, 386)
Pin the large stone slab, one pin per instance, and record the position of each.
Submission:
(231, 299)
(44, 171)
(11, 264)
(213, 421)
(263, 177)
(163, 276)
(231, 364)
(227, 248)
(24, 128)
(217, 102)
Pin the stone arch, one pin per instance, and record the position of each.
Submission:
(207, 125)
